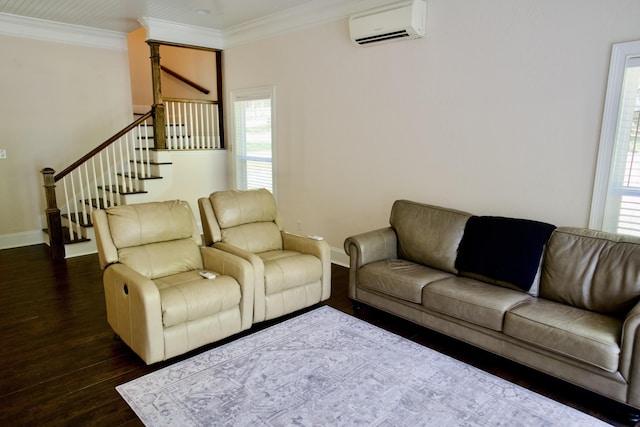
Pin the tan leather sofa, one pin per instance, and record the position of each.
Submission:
(157, 302)
(577, 319)
(291, 272)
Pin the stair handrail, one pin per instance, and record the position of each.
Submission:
(185, 80)
(102, 146)
(52, 212)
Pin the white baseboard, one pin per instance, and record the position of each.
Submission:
(340, 257)
(25, 238)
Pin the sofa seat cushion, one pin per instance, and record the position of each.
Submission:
(399, 278)
(186, 297)
(472, 301)
(584, 335)
(301, 269)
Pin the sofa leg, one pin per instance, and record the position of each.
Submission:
(633, 416)
(356, 306)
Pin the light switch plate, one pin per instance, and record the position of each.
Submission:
(3, 154)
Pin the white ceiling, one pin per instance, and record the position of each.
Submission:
(123, 15)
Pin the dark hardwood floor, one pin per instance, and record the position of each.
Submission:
(61, 363)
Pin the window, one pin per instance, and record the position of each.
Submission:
(253, 138)
(616, 198)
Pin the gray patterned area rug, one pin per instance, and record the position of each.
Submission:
(325, 367)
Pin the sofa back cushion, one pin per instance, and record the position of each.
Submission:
(593, 270)
(428, 235)
(503, 251)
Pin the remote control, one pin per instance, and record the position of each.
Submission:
(207, 275)
(314, 237)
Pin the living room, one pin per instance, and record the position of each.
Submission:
(497, 111)
(502, 101)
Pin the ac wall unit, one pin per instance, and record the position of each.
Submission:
(404, 20)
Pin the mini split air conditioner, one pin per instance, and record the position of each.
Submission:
(404, 20)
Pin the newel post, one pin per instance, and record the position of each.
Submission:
(159, 129)
(54, 222)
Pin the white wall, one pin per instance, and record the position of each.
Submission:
(57, 102)
(497, 112)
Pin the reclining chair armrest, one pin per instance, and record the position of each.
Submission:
(134, 311)
(629, 352)
(240, 269)
(258, 277)
(107, 251)
(365, 248)
(318, 248)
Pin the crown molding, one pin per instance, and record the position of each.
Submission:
(39, 29)
(296, 18)
(173, 32)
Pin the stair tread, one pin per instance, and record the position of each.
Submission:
(67, 239)
(135, 176)
(139, 162)
(81, 221)
(118, 189)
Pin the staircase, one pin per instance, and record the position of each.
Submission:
(79, 236)
(126, 169)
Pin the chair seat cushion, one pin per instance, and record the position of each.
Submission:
(471, 300)
(590, 337)
(187, 296)
(289, 269)
(399, 278)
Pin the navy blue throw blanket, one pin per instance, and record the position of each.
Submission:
(503, 249)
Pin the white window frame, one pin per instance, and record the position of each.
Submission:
(264, 92)
(621, 54)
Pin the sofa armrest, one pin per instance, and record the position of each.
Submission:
(258, 277)
(240, 269)
(629, 352)
(366, 248)
(318, 248)
(134, 311)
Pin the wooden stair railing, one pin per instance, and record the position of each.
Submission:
(185, 80)
(118, 166)
(110, 168)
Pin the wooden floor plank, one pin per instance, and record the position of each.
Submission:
(61, 363)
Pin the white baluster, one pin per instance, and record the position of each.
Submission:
(95, 185)
(113, 179)
(127, 166)
(167, 117)
(216, 126)
(103, 180)
(73, 209)
(66, 200)
(146, 149)
(207, 125)
(123, 180)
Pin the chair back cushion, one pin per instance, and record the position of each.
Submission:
(156, 239)
(591, 269)
(248, 219)
(236, 207)
(140, 224)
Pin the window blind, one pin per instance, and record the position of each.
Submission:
(622, 206)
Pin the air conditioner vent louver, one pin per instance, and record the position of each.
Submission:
(404, 20)
(380, 37)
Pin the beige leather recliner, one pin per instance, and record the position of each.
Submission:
(157, 301)
(291, 271)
